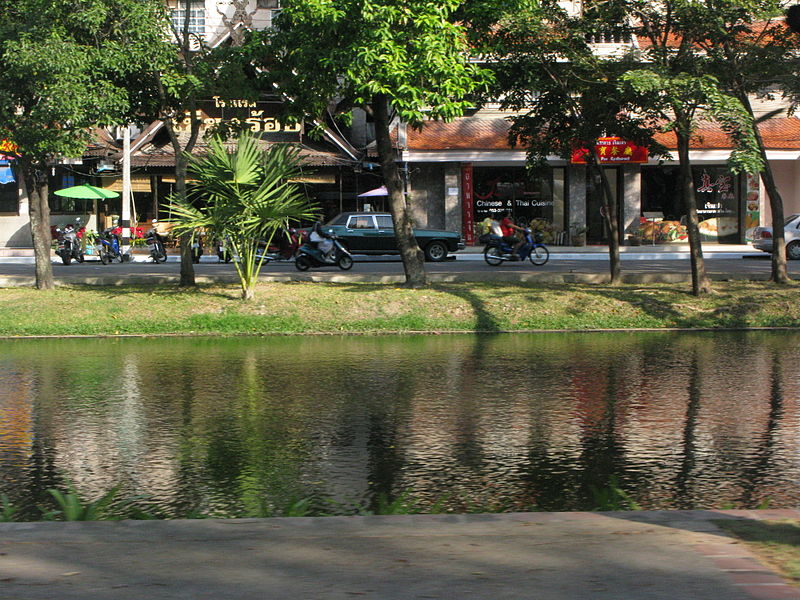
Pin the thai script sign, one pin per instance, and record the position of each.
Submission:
(467, 203)
(612, 150)
(261, 117)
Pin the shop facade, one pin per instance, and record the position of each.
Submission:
(457, 175)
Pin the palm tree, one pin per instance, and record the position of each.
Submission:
(245, 196)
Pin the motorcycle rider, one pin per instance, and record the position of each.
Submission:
(509, 228)
(323, 241)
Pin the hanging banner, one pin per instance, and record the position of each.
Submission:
(612, 150)
(468, 203)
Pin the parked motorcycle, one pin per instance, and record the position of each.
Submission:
(498, 251)
(156, 245)
(108, 247)
(69, 243)
(310, 256)
(283, 246)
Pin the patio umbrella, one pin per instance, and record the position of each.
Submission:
(381, 191)
(86, 191)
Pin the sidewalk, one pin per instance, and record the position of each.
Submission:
(659, 252)
(643, 555)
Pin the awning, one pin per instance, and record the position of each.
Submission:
(381, 191)
(6, 173)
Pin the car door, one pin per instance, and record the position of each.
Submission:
(387, 240)
(362, 233)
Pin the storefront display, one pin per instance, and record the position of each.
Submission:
(529, 197)
(718, 201)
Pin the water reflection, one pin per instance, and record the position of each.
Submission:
(241, 426)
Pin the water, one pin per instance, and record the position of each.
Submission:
(251, 426)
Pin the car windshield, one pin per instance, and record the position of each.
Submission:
(790, 219)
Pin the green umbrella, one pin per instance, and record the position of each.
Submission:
(86, 191)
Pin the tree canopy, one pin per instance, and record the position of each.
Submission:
(406, 60)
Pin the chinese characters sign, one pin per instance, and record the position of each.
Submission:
(612, 150)
(260, 117)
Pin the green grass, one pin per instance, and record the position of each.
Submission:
(776, 542)
(297, 308)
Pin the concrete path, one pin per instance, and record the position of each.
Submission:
(648, 555)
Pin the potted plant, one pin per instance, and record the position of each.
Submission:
(578, 234)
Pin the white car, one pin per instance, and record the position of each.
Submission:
(762, 237)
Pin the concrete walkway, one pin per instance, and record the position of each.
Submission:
(647, 555)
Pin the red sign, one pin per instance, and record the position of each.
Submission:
(612, 150)
(467, 203)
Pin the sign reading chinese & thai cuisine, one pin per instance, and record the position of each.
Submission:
(612, 150)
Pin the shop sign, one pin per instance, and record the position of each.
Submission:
(752, 213)
(8, 150)
(612, 150)
(467, 203)
(261, 117)
(716, 205)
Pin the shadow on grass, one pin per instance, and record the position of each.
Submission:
(164, 290)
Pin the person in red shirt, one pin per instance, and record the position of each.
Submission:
(509, 228)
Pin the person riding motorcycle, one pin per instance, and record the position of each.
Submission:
(323, 241)
(509, 227)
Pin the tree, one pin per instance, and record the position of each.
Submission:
(675, 88)
(245, 197)
(566, 95)
(754, 54)
(397, 60)
(66, 68)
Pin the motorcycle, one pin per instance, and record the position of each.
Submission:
(498, 251)
(284, 246)
(308, 255)
(109, 248)
(156, 245)
(69, 243)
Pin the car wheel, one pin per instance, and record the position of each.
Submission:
(436, 251)
(793, 251)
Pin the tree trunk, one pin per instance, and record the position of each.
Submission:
(701, 284)
(36, 182)
(780, 273)
(187, 266)
(609, 203)
(410, 253)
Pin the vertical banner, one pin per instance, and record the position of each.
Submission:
(467, 204)
(752, 215)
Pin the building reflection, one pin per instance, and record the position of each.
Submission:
(242, 427)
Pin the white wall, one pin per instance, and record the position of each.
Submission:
(787, 178)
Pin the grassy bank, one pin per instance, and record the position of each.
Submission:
(290, 308)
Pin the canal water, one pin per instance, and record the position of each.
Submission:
(338, 425)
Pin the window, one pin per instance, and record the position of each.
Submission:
(361, 223)
(267, 4)
(385, 222)
(9, 198)
(197, 18)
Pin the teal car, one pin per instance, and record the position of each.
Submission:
(373, 233)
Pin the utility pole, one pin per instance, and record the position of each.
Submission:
(126, 190)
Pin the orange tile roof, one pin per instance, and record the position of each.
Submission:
(474, 133)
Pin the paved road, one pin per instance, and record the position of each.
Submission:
(640, 555)
(468, 268)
